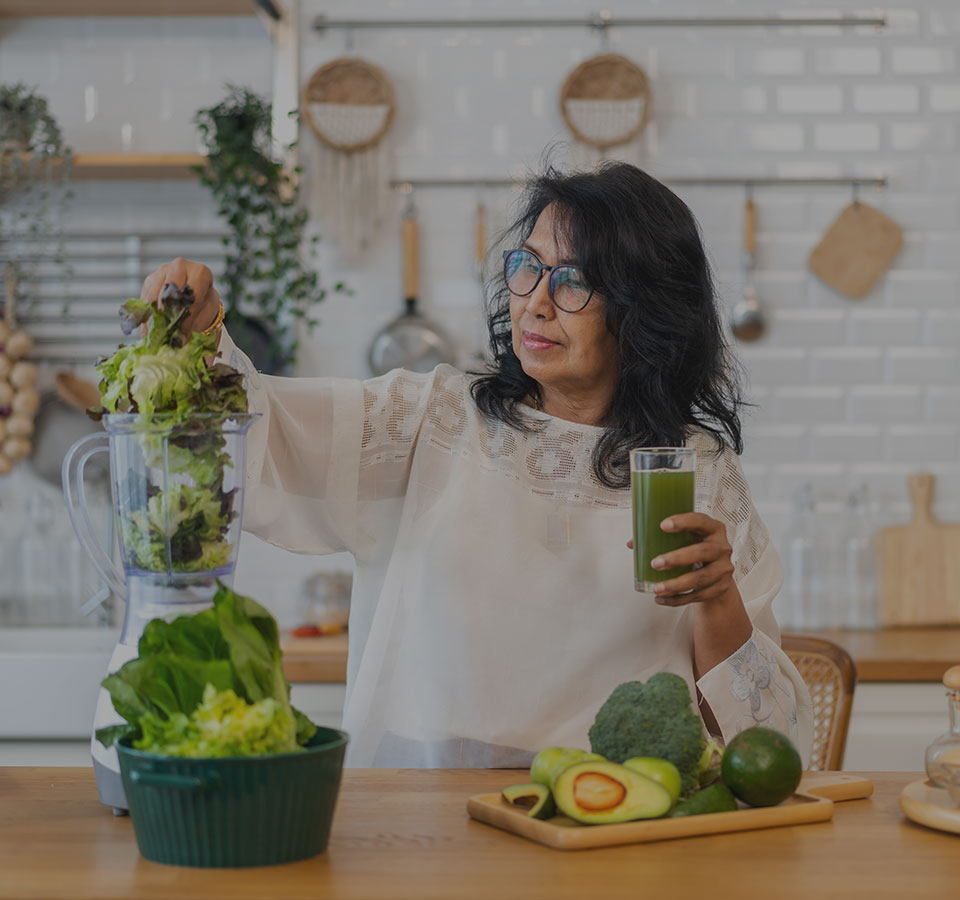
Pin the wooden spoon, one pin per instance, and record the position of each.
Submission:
(78, 392)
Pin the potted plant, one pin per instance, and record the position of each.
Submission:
(26, 125)
(266, 288)
(34, 184)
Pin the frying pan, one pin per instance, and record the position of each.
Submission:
(411, 341)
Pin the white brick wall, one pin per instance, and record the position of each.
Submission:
(849, 390)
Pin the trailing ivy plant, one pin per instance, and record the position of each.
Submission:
(266, 288)
(35, 166)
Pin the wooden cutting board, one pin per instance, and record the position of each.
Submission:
(813, 802)
(918, 565)
(856, 250)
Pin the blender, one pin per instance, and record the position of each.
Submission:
(177, 487)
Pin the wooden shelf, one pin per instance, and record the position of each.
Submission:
(29, 8)
(130, 166)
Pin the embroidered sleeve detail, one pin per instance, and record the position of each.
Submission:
(763, 694)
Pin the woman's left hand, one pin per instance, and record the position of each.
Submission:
(713, 580)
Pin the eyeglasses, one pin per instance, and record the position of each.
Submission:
(522, 271)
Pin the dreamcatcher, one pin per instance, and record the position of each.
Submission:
(19, 399)
(348, 104)
(606, 103)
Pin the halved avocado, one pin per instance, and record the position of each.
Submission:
(535, 799)
(598, 793)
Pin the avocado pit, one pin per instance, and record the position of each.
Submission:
(595, 792)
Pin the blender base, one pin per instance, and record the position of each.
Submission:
(110, 788)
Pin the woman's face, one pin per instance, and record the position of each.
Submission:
(572, 353)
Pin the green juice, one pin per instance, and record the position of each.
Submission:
(657, 495)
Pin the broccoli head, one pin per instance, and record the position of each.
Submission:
(656, 719)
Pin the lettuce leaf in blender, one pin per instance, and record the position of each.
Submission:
(163, 378)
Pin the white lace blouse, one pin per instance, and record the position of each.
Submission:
(493, 604)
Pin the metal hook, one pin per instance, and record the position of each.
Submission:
(409, 210)
(855, 185)
(601, 21)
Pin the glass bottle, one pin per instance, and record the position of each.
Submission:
(799, 609)
(860, 587)
(945, 750)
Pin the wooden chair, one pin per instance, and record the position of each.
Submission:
(831, 676)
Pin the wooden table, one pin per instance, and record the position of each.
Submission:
(406, 834)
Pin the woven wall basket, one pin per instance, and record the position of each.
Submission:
(606, 100)
(348, 104)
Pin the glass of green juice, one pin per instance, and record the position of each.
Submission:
(662, 483)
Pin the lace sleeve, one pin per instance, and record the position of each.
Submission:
(320, 446)
(394, 406)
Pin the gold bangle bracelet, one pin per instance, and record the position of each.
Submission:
(217, 322)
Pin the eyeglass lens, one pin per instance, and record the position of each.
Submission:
(565, 285)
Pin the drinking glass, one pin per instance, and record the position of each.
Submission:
(662, 483)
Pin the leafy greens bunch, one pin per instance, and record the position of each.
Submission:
(181, 402)
(164, 373)
(208, 685)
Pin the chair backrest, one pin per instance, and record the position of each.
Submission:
(831, 676)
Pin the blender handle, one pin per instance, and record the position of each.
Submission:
(71, 474)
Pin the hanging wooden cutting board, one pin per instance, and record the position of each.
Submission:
(918, 565)
(856, 250)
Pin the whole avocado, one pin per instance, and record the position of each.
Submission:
(761, 766)
(653, 718)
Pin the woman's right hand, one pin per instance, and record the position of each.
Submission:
(182, 272)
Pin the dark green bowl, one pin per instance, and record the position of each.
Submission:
(239, 811)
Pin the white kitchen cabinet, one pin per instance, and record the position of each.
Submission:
(323, 703)
(45, 753)
(892, 724)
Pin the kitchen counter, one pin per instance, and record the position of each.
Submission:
(315, 659)
(406, 833)
(890, 654)
(899, 654)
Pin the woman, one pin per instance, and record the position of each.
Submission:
(493, 607)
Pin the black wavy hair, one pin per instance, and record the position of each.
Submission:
(640, 246)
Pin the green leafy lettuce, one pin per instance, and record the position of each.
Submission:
(164, 379)
(208, 685)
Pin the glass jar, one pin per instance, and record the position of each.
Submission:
(325, 601)
(943, 755)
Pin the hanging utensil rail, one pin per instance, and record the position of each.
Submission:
(405, 185)
(603, 21)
